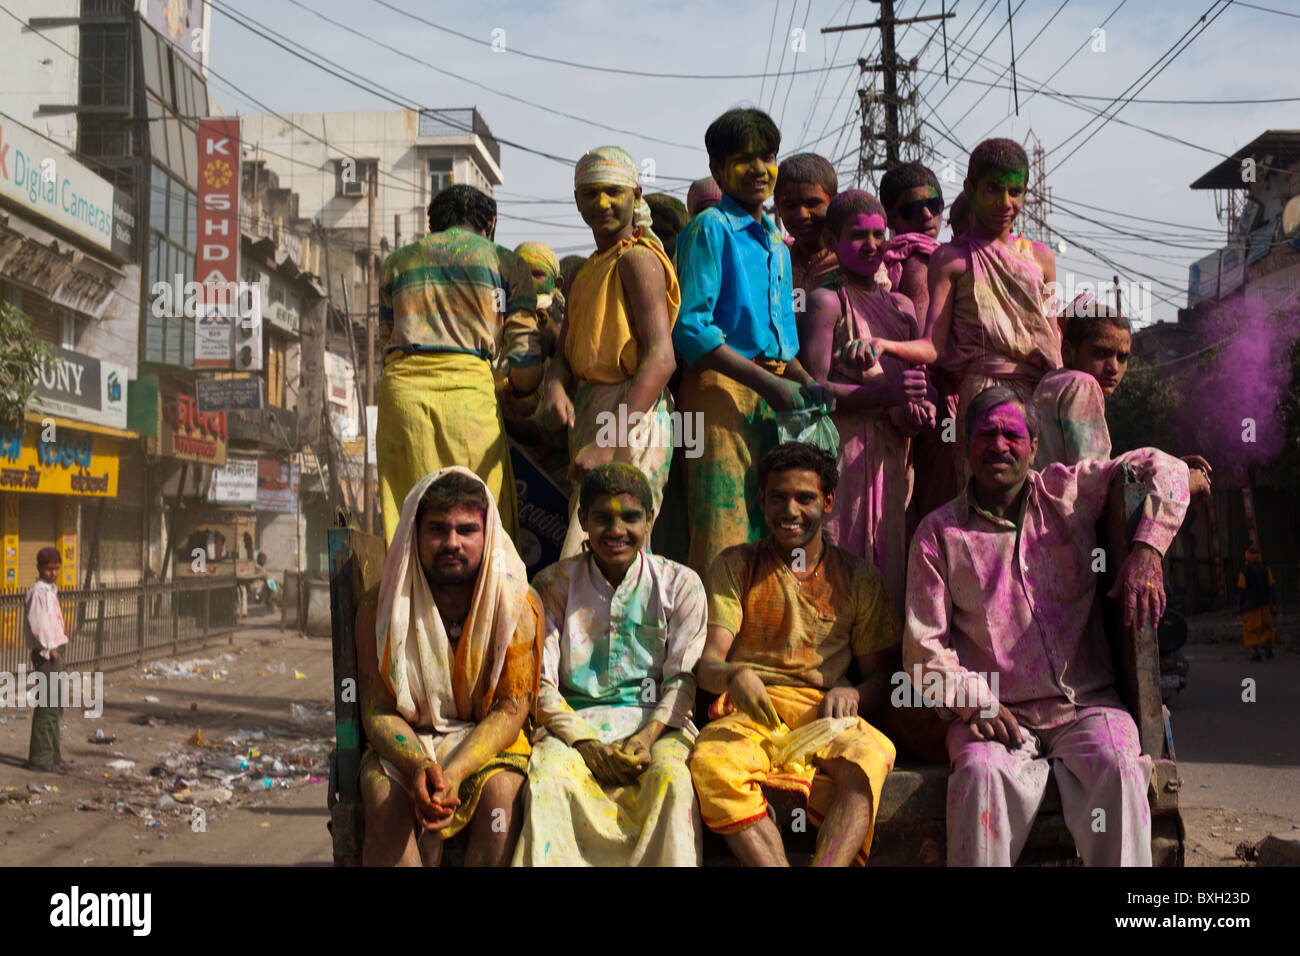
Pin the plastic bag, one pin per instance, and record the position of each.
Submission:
(794, 750)
(811, 425)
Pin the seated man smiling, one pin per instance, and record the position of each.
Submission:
(447, 659)
(786, 614)
(624, 629)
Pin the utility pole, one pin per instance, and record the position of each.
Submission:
(366, 522)
(890, 67)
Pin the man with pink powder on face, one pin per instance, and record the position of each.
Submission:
(1001, 582)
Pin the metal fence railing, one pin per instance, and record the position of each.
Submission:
(115, 627)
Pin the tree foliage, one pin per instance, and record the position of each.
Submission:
(22, 356)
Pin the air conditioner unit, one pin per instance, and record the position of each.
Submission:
(354, 188)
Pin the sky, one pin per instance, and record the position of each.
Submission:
(756, 55)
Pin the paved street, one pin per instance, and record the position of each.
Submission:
(1240, 762)
(101, 816)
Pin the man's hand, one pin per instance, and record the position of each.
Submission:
(435, 796)
(839, 702)
(591, 456)
(637, 751)
(818, 394)
(1141, 581)
(747, 692)
(785, 395)
(915, 384)
(556, 408)
(1198, 474)
(863, 353)
(1001, 727)
(608, 763)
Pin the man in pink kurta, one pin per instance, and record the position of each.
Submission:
(1001, 606)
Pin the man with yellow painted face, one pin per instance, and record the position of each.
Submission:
(990, 316)
(608, 382)
(737, 335)
(608, 781)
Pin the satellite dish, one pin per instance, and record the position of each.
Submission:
(1291, 217)
(1061, 247)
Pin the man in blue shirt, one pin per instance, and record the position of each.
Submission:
(736, 333)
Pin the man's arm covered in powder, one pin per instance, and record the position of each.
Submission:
(387, 731)
(512, 697)
(521, 342)
(927, 638)
(1140, 581)
(553, 711)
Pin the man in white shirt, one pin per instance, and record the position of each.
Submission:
(43, 625)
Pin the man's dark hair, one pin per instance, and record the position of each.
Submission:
(668, 207)
(800, 456)
(735, 130)
(808, 168)
(902, 178)
(449, 491)
(848, 203)
(991, 398)
(1082, 324)
(47, 556)
(615, 478)
(461, 205)
(999, 156)
(569, 267)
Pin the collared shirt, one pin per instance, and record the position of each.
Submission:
(43, 622)
(1071, 419)
(456, 291)
(800, 633)
(736, 287)
(987, 596)
(617, 658)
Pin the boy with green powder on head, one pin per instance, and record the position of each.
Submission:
(990, 316)
(736, 333)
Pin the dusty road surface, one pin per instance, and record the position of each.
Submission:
(179, 804)
(1239, 760)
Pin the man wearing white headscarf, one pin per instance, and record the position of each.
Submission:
(448, 659)
(608, 381)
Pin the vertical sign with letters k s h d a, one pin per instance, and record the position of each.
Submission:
(216, 264)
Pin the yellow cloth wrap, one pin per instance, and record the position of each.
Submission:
(730, 764)
(515, 757)
(439, 409)
(722, 483)
(600, 343)
(1257, 627)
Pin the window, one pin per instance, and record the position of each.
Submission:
(105, 75)
(169, 339)
(440, 176)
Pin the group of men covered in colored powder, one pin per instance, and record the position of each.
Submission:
(948, 533)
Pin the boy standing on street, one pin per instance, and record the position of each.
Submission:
(43, 624)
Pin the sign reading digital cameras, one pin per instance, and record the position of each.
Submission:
(43, 179)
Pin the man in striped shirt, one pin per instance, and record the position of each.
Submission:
(451, 306)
